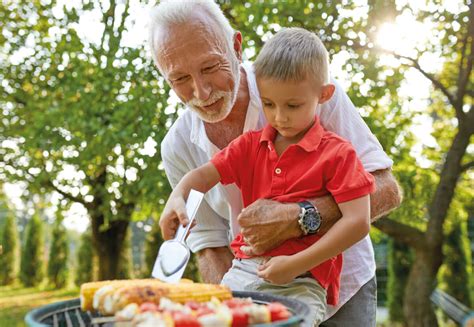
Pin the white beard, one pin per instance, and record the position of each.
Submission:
(229, 98)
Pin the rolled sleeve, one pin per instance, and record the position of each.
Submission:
(211, 230)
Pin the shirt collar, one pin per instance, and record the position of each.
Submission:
(309, 142)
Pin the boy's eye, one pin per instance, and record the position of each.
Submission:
(267, 104)
(211, 68)
(293, 105)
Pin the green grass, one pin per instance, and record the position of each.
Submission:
(16, 301)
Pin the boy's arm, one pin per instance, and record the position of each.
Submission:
(265, 224)
(353, 226)
(201, 179)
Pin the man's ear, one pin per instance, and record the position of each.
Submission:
(238, 45)
(327, 92)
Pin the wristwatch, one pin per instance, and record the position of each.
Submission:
(309, 218)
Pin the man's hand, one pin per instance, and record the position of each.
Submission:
(173, 214)
(278, 270)
(265, 224)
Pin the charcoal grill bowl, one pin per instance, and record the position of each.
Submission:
(68, 313)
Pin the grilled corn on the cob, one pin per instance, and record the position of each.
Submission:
(89, 289)
(109, 297)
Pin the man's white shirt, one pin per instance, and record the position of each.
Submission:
(186, 146)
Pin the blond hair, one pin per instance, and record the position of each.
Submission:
(293, 54)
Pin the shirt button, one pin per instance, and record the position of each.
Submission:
(278, 171)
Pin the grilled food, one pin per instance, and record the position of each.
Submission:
(88, 290)
(236, 312)
(111, 296)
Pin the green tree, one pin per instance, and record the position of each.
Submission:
(58, 271)
(447, 178)
(85, 259)
(32, 258)
(399, 263)
(9, 252)
(92, 106)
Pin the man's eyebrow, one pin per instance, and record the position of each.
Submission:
(174, 75)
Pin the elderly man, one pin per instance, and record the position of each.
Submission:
(200, 56)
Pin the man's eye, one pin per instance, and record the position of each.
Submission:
(180, 79)
(212, 68)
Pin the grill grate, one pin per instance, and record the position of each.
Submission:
(69, 314)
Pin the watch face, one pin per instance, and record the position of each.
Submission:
(312, 220)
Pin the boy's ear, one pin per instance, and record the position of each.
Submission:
(327, 92)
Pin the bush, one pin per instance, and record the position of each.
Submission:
(32, 258)
(85, 259)
(400, 259)
(58, 256)
(9, 252)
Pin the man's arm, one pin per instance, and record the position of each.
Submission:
(213, 263)
(266, 224)
(386, 198)
(209, 238)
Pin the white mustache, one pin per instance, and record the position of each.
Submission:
(216, 95)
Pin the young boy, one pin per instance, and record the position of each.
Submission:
(291, 160)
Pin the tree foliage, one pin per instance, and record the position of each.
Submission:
(9, 250)
(91, 107)
(33, 256)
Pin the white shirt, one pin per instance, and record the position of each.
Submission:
(186, 146)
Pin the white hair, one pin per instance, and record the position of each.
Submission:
(173, 12)
(293, 54)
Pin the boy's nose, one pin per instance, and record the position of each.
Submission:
(280, 116)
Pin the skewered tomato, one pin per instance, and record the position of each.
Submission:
(184, 320)
(240, 317)
(278, 311)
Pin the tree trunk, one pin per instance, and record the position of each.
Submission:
(108, 244)
(417, 306)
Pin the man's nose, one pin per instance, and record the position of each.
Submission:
(201, 89)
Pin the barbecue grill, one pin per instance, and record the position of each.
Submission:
(69, 314)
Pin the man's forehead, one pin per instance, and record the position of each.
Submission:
(175, 43)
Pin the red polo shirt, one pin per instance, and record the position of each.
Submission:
(320, 163)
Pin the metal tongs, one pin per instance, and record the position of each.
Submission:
(173, 255)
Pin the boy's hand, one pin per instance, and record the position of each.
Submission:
(173, 214)
(278, 270)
